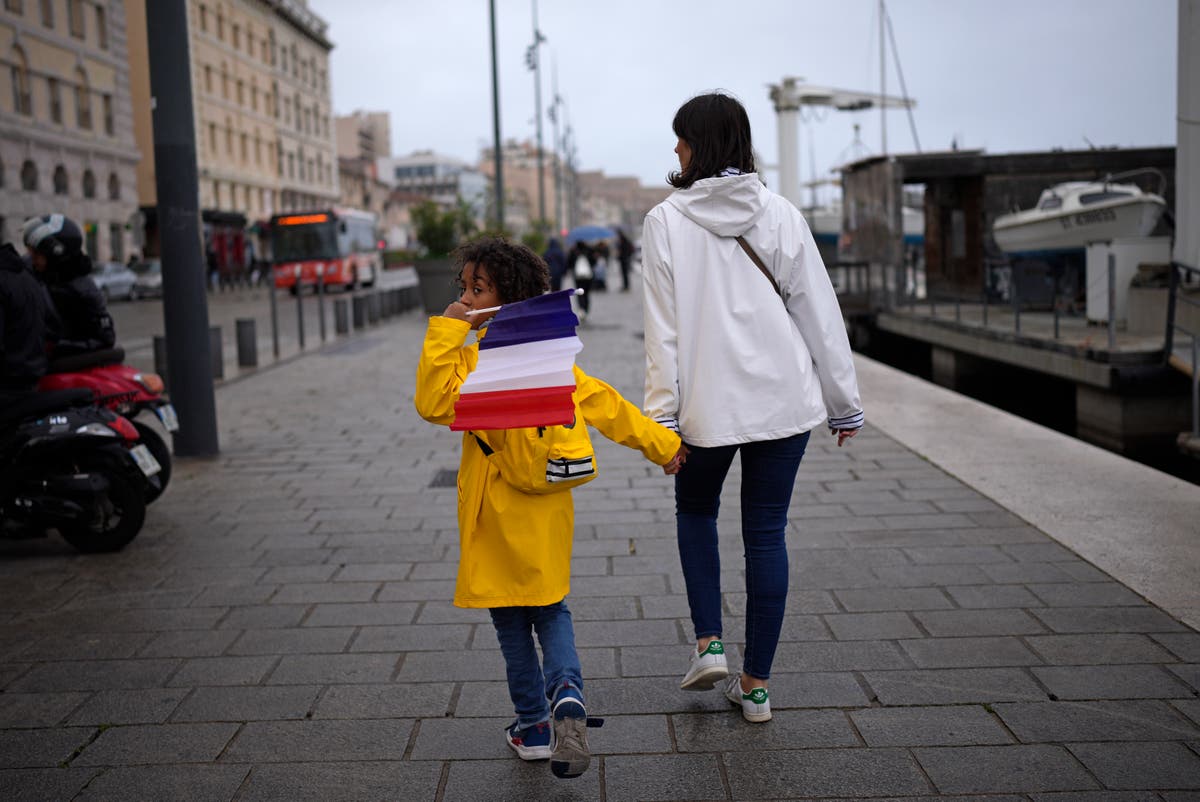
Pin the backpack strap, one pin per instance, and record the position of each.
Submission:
(484, 447)
(759, 264)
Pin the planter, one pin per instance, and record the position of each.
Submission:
(436, 280)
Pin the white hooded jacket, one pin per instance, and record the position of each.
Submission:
(726, 362)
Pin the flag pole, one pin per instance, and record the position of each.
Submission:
(576, 291)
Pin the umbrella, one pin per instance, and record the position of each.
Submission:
(589, 234)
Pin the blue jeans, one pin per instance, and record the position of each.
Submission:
(530, 689)
(768, 474)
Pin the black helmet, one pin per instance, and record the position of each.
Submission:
(55, 236)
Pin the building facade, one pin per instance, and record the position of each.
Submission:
(442, 179)
(66, 143)
(263, 110)
(364, 135)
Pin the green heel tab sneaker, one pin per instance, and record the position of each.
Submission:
(715, 647)
(756, 695)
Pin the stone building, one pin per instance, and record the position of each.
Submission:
(364, 135)
(261, 93)
(66, 142)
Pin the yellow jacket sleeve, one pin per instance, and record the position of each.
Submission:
(622, 422)
(443, 368)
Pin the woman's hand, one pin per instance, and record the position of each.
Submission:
(844, 434)
(672, 467)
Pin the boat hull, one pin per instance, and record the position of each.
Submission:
(1026, 232)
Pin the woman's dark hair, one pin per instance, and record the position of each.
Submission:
(716, 128)
(516, 271)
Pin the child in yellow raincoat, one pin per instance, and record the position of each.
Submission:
(515, 547)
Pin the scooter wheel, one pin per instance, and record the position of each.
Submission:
(119, 515)
(157, 483)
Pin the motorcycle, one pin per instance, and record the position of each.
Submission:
(127, 391)
(71, 467)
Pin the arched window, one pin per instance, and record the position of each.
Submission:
(89, 184)
(83, 100)
(29, 176)
(22, 100)
(114, 187)
(60, 180)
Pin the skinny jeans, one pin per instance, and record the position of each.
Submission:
(533, 684)
(768, 475)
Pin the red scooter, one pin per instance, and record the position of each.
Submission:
(128, 392)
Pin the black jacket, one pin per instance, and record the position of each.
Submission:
(84, 322)
(24, 315)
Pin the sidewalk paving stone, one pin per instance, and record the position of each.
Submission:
(283, 629)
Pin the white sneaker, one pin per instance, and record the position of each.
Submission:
(706, 669)
(756, 705)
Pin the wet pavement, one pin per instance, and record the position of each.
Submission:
(282, 628)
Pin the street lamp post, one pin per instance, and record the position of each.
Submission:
(533, 61)
(498, 158)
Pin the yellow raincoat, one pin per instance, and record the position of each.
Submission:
(516, 547)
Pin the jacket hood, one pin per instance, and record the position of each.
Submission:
(727, 207)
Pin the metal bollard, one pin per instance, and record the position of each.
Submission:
(160, 356)
(341, 316)
(373, 308)
(359, 304)
(215, 354)
(321, 303)
(274, 314)
(247, 343)
(299, 309)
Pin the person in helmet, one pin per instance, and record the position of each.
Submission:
(55, 244)
(25, 316)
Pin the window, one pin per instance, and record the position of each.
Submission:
(89, 233)
(221, 25)
(245, 148)
(203, 18)
(241, 92)
(15, 6)
(295, 62)
(47, 13)
(107, 106)
(116, 242)
(101, 27)
(257, 149)
(228, 137)
(1052, 202)
(212, 137)
(89, 184)
(75, 19)
(1105, 195)
(237, 36)
(225, 81)
(83, 101)
(55, 92)
(22, 99)
(275, 95)
(208, 79)
(271, 41)
(283, 57)
(114, 187)
(60, 180)
(253, 95)
(296, 105)
(291, 161)
(29, 176)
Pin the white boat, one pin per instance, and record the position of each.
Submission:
(1070, 215)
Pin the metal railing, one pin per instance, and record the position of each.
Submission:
(1184, 276)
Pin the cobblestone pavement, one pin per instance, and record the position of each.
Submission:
(282, 629)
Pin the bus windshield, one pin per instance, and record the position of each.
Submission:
(296, 243)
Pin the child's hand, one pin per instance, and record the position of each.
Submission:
(457, 311)
(676, 463)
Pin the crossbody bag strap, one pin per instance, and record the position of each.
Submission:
(759, 264)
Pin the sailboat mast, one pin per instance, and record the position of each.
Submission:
(882, 84)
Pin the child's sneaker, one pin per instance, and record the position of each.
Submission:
(530, 743)
(706, 669)
(756, 705)
(569, 755)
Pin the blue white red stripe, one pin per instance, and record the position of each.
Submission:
(525, 376)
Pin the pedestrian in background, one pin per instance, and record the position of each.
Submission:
(556, 260)
(515, 546)
(625, 258)
(581, 259)
(746, 351)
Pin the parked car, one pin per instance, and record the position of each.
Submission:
(114, 279)
(149, 279)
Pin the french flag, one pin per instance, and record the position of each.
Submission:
(525, 375)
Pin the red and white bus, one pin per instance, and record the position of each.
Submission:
(340, 245)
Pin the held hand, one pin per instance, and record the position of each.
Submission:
(844, 434)
(673, 467)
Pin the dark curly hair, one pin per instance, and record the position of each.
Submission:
(516, 271)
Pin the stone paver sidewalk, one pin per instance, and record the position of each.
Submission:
(282, 629)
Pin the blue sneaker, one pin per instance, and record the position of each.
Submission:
(531, 743)
(569, 755)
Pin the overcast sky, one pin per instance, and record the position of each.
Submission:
(1004, 75)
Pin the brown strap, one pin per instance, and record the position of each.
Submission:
(759, 264)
